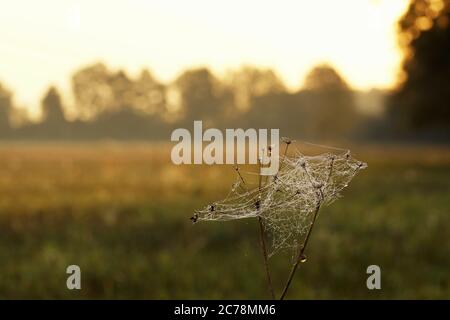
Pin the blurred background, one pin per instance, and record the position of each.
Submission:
(91, 91)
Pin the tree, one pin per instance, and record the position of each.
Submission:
(6, 107)
(52, 109)
(202, 96)
(421, 102)
(98, 90)
(121, 91)
(149, 94)
(328, 104)
(250, 82)
(92, 90)
(323, 78)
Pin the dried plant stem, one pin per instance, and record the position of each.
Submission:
(301, 253)
(266, 259)
(262, 235)
(287, 204)
(263, 245)
(285, 152)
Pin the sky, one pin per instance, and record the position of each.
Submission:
(44, 42)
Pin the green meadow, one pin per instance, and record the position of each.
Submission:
(121, 212)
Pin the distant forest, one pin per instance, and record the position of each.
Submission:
(111, 105)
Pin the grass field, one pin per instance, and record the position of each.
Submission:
(121, 212)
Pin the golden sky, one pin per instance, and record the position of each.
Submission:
(44, 41)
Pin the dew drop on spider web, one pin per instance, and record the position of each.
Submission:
(303, 258)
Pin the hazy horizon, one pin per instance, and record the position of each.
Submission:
(47, 41)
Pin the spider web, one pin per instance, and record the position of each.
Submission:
(287, 201)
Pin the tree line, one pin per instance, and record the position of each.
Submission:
(111, 104)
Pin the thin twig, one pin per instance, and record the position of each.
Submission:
(301, 253)
(285, 154)
(240, 176)
(262, 242)
(266, 260)
(284, 157)
(262, 236)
